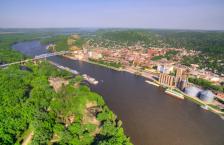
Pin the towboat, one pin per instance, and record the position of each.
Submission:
(90, 79)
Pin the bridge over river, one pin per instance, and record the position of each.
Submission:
(37, 57)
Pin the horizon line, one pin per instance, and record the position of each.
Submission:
(143, 28)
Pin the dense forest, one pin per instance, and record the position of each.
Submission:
(205, 41)
(31, 106)
(120, 39)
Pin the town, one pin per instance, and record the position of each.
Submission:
(163, 67)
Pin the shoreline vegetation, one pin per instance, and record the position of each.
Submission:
(115, 65)
(206, 84)
(94, 62)
(70, 114)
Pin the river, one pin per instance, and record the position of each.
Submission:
(149, 116)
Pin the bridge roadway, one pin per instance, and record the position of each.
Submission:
(42, 56)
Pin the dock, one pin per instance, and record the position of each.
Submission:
(152, 83)
(174, 94)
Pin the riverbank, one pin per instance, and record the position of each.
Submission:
(201, 103)
(92, 62)
(127, 69)
(150, 76)
(110, 67)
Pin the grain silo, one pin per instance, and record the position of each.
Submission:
(192, 91)
(207, 96)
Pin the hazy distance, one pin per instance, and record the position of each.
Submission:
(172, 14)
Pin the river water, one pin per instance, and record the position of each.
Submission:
(149, 116)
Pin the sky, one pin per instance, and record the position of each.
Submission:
(167, 14)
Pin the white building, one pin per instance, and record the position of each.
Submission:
(165, 68)
(94, 55)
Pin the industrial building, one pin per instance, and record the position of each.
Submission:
(204, 95)
(179, 72)
(192, 91)
(207, 96)
(180, 80)
(166, 79)
(182, 83)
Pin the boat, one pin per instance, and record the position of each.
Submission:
(65, 68)
(222, 117)
(95, 82)
(174, 93)
(152, 83)
(204, 107)
(90, 79)
(74, 72)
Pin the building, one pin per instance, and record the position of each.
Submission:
(165, 68)
(220, 95)
(166, 79)
(215, 79)
(181, 83)
(207, 96)
(94, 55)
(181, 80)
(192, 91)
(179, 71)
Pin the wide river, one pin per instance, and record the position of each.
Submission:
(150, 117)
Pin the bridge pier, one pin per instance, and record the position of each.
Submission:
(37, 61)
(22, 63)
